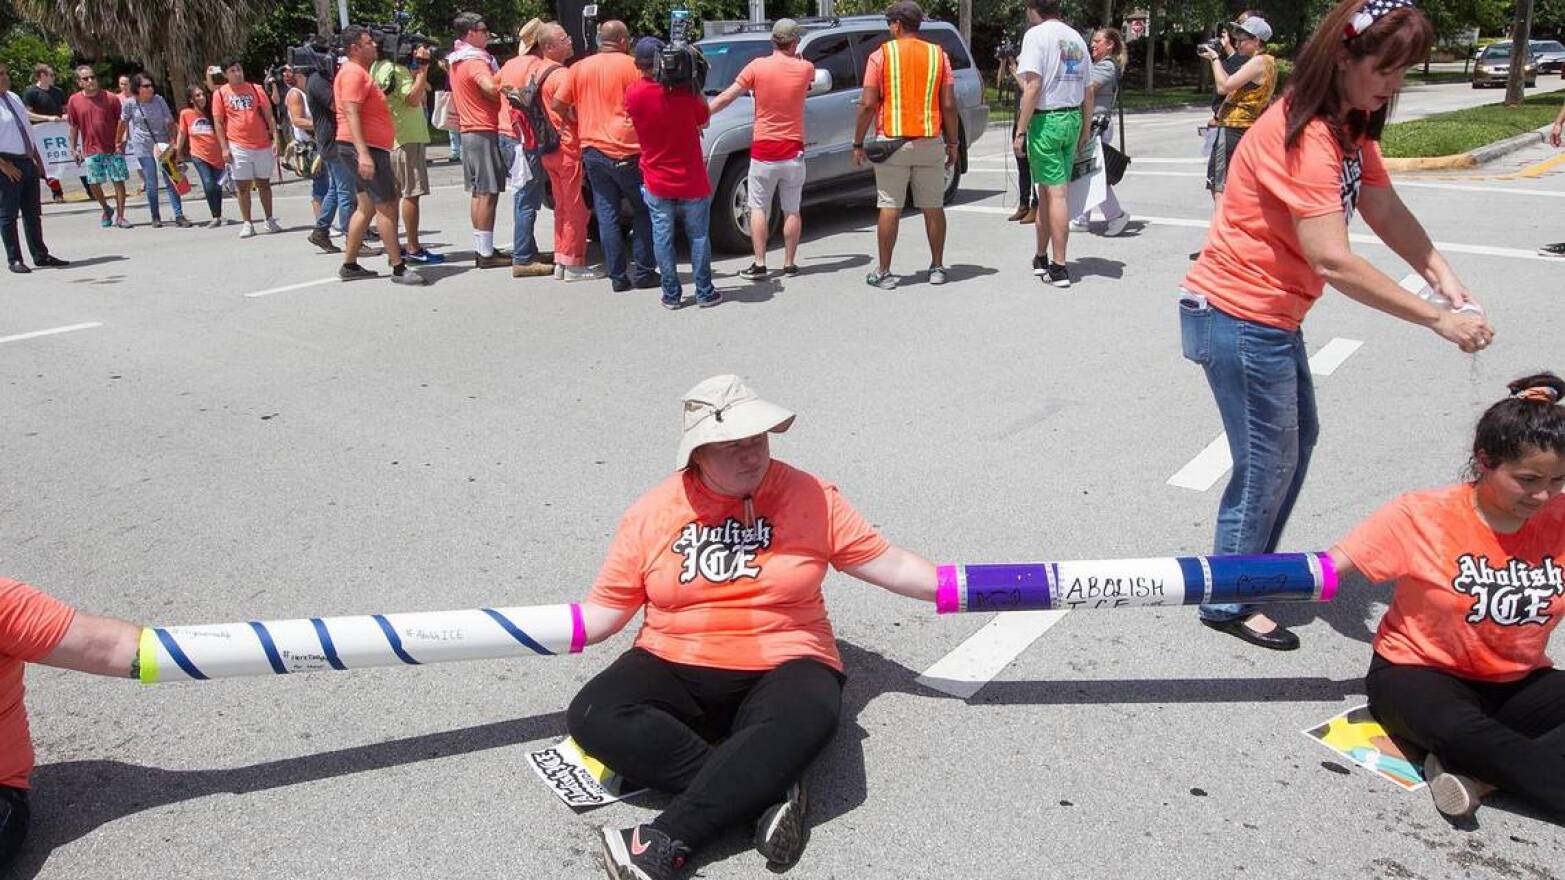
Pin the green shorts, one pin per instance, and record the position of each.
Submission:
(1051, 145)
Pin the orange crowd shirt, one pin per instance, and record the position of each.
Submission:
(1253, 266)
(245, 114)
(778, 84)
(515, 74)
(596, 88)
(353, 83)
(554, 85)
(1468, 600)
(475, 111)
(728, 588)
(203, 142)
(31, 625)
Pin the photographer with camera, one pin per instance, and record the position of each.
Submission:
(1245, 80)
(476, 94)
(365, 135)
(668, 112)
(402, 75)
(610, 154)
(1006, 79)
(341, 194)
(301, 130)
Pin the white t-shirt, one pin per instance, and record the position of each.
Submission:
(13, 141)
(1058, 55)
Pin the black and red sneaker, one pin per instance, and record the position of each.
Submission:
(779, 833)
(642, 853)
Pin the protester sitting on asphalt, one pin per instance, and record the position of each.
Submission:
(146, 122)
(405, 91)
(94, 120)
(1279, 237)
(910, 97)
(1109, 58)
(37, 628)
(595, 92)
(365, 135)
(242, 117)
(21, 169)
(1459, 666)
(197, 143)
(779, 83)
(668, 120)
(475, 93)
(1057, 96)
(734, 684)
(1246, 92)
(520, 74)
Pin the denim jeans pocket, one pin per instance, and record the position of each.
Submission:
(1195, 328)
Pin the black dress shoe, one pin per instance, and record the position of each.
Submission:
(20, 268)
(52, 261)
(1278, 639)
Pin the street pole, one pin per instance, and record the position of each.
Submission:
(1521, 53)
(964, 21)
(1108, 13)
(1151, 42)
(342, 12)
(757, 10)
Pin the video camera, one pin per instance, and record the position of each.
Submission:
(397, 43)
(1007, 49)
(316, 55)
(680, 65)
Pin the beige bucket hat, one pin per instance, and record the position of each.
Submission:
(723, 408)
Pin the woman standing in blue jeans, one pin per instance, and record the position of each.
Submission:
(1279, 236)
(146, 122)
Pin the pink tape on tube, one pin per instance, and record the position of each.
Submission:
(946, 600)
(1328, 577)
(578, 630)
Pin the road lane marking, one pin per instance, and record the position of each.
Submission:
(69, 328)
(1209, 465)
(287, 287)
(986, 653)
(1537, 169)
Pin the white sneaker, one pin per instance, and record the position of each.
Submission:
(247, 230)
(272, 226)
(579, 273)
(1081, 224)
(1117, 225)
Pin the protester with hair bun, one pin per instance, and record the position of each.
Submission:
(1459, 666)
(1279, 237)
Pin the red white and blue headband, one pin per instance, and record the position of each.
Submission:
(1372, 12)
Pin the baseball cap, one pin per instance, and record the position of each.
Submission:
(723, 408)
(785, 31)
(647, 49)
(1256, 27)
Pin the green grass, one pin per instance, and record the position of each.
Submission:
(1435, 77)
(1459, 131)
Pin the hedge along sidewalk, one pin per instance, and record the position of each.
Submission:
(1467, 138)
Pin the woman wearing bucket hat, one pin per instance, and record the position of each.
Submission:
(734, 684)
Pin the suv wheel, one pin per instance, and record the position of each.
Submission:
(953, 180)
(730, 224)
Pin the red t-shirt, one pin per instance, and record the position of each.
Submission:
(475, 111)
(31, 625)
(98, 120)
(1253, 266)
(245, 113)
(1469, 601)
(778, 84)
(668, 124)
(354, 83)
(200, 132)
(724, 590)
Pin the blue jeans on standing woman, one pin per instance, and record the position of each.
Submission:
(613, 180)
(1260, 377)
(152, 173)
(526, 203)
(210, 175)
(696, 215)
(340, 199)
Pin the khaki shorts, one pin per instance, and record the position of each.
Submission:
(412, 172)
(921, 162)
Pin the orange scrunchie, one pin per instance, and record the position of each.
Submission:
(1538, 393)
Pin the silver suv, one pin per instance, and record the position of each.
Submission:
(839, 48)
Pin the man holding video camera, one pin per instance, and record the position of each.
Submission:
(405, 90)
(668, 111)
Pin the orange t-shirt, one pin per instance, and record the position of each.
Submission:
(552, 89)
(515, 74)
(353, 83)
(596, 88)
(31, 625)
(475, 111)
(245, 113)
(1252, 266)
(1468, 600)
(779, 83)
(203, 143)
(726, 594)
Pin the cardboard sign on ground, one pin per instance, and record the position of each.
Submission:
(1357, 736)
(576, 777)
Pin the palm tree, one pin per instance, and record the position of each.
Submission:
(173, 39)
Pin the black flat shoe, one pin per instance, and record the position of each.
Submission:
(19, 268)
(52, 261)
(1278, 639)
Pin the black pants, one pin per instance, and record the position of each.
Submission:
(659, 724)
(14, 819)
(1509, 735)
(21, 197)
(1025, 192)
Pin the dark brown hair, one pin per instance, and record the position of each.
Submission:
(1518, 426)
(1397, 40)
(906, 13)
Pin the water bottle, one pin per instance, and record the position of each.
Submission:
(1440, 301)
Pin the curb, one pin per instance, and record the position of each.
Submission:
(1472, 159)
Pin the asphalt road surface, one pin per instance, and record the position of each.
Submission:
(184, 450)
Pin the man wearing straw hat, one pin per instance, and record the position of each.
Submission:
(736, 665)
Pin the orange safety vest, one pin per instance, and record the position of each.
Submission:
(910, 80)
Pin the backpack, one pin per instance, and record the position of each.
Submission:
(546, 138)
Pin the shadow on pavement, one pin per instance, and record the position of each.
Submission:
(92, 261)
(1097, 267)
(1348, 613)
